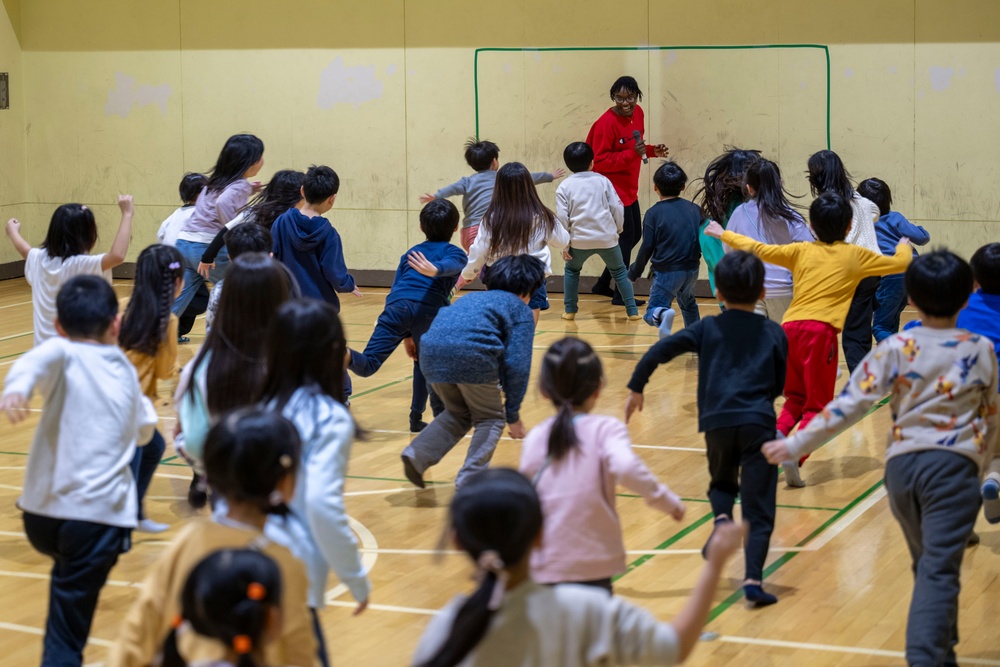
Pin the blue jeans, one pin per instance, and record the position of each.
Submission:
(399, 320)
(192, 252)
(670, 285)
(144, 465)
(612, 258)
(890, 300)
(540, 298)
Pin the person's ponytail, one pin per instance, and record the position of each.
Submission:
(562, 436)
(472, 620)
(571, 374)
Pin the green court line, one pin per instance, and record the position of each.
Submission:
(671, 541)
(169, 458)
(380, 387)
(15, 453)
(719, 47)
(705, 500)
(8, 356)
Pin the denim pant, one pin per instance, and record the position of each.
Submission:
(670, 285)
(612, 258)
(890, 300)
(399, 320)
(934, 496)
(192, 252)
(84, 554)
(144, 465)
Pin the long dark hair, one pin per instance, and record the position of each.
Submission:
(828, 174)
(571, 373)
(281, 193)
(229, 597)
(241, 152)
(72, 231)
(147, 316)
(515, 212)
(496, 517)
(722, 187)
(772, 198)
(255, 286)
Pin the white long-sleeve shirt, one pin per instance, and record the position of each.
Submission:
(93, 416)
(862, 232)
(588, 206)
(538, 247)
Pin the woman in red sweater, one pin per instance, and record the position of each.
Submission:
(618, 155)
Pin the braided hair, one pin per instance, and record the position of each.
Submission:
(147, 317)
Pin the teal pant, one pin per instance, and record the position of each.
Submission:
(612, 258)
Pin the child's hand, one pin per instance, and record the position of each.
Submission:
(677, 514)
(13, 227)
(516, 430)
(426, 198)
(776, 451)
(904, 241)
(411, 348)
(661, 150)
(357, 292)
(421, 264)
(728, 537)
(205, 270)
(16, 407)
(566, 255)
(257, 186)
(633, 402)
(714, 230)
(558, 173)
(461, 283)
(640, 147)
(126, 204)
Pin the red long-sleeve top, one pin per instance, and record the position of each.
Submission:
(614, 151)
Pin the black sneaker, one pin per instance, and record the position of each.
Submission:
(417, 425)
(197, 496)
(411, 472)
(618, 301)
(602, 290)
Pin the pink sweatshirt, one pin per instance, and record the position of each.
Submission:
(582, 536)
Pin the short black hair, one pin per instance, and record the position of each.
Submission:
(939, 283)
(986, 268)
(669, 179)
(739, 277)
(247, 237)
(439, 220)
(627, 83)
(578, 156)
(830, 217)
(877, 191)
(191, 186)
(518, 274)
(480, 154)
(320, 184)
(86, 306)
(72, 231)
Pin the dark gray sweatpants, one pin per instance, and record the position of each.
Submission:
(934, 496)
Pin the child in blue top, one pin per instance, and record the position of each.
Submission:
(890, 299)
(477, 357)
(309, 246)
(424, 280)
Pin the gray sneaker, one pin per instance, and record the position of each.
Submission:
(665, 316)
(792, 476)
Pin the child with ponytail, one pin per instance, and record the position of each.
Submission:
(234, 598)
(511, 620)
(148, 337)
(576, 460)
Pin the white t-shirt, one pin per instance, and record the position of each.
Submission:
(46, 275)
(173, 225)
(560, 626)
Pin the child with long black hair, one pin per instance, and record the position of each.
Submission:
(234, 598)
(576, 460)
(148, 337)
(511, 620)
(767, 216)
(517, 223)
(226, 193)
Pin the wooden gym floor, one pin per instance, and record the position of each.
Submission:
(838, 562)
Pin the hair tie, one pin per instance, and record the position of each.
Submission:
(174, 266)
(490, 562)
(256, 591)
(285, 461)
(242, 644)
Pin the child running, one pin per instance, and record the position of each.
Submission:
(477, 190)
(510, 620)
(588, 206)
(575, 460)
(741, 370)
(240, 240)
(189, 189)
(516, 222)
(149, 339)
(422, 286)
(79, 499)
(65, 253)
(825, 274)
(943, 386)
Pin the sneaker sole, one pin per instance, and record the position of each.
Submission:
(991, 502)
(412, 474)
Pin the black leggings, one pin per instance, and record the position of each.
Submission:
(629, 239)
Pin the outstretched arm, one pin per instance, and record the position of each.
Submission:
(14, 234)
(119, 247)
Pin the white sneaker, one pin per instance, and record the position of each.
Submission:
(666, 317)
(792, 476)
(150, 526)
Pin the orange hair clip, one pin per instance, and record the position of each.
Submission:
(256, 592)
(242, 644)
(177, 622)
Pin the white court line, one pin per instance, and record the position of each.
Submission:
(386, 607)
(378, 491)
(700, 450)
(855, 650)
(368, 544)
(846, 520)
(12, 305)
(35, 575)
(27, 629)
(19, 335)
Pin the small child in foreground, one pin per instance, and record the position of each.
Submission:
(79, 500)
(510, 619)
(741, 370)
(943, 386)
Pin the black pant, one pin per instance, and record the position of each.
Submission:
(630, 237)
(198, 305)
(84, 554)
(324, 659)
(737, 465)
(857, 336)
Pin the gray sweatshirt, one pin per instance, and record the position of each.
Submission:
(588, 206)
(477, 193)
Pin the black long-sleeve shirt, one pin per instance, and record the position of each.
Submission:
(741, 367)
(669, 238)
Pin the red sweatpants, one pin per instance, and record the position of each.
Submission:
(468, 236)
(810, 372)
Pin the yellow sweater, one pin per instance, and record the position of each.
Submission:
(824, 275)
(149, 620)
(153, 368)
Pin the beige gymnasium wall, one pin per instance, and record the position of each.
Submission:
(118, 95)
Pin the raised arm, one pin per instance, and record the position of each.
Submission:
(14, 234)
(781, 255)
(459, 187)
(875, 264)
(687, 339)
(119, 247)
(38, 369)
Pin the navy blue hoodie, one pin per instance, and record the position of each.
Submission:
(312, 251)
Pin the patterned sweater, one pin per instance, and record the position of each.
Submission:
(943, 387)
